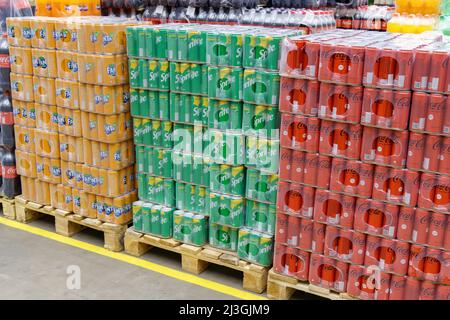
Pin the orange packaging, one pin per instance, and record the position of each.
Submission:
(88, 179)
(26, 164)
(76, 201)
(47, 143)
(43, 30)
(43, 196)
(47, 117)
(25, 138)
(67, 94)
(109, 156)
(69, 148)
(79, 175)
(28, 188)
(44, 90)
(20, 60)
(116, 210)
(88, 205)
(21, 87)
(68, 65)
(88, 37)
(19, 31)
(103, 70)
(113, 39)
(69, 122)
(24, 113)
(67, 35)
(44, 63)
(48, 170)
(68, 173)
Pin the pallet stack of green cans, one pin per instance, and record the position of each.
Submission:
(205, 105)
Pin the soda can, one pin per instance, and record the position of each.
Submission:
(169, 192)
(134, 73)
(143, 71)
(178, 225)
(265, 254)
(223, 237)
(199, 230)
(134, 102)
(137, 215)
(243, 243)
(175, 75)
(195, 79)
(155, 220)
(146, 217)
(132, 42)
(166, 222)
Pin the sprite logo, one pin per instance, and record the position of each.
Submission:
(223, 237)
(224, 84)
(223, 179)
(223, 115)
(258, 122)
(195, 43)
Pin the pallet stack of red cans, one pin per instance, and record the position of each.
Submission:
(364, 193)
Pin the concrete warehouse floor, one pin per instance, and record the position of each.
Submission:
(34, 267)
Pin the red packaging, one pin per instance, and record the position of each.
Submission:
(328, 273)
(299, 96)
(345, 245)
(368, 283)
(305, 168)
(389, 68)
(405, 223)
(442, 292)
(334, 209)
(291, 262)
(351, 177)
(340, 103)
(376, 218)
(281, 229)
(421, 226)
(429, 264)
(439, 224)
(384, 147)
(293, 231)
(428, 113)
(397, 287)
(295, 199)
(386, 109)
(340, 139)
(389, 255)
(301, 56)
(300, 132)
(429, 153)
(397, 186)
(434, 193)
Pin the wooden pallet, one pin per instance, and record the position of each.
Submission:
(196, 259)
(281, 287)
(69, 224)
(8, 208)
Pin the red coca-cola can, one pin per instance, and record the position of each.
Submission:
(434, 193)
(376, 217)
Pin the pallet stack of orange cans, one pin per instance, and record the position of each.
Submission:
(71, 105)
(364, 194)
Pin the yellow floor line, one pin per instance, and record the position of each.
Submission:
(179, 275)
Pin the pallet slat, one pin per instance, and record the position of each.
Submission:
(68, 224)
(196, 259)
(281, 287)
(8, 208)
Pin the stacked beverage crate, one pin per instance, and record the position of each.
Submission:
(73, 87)
(349, 191)
(169, 107)
(209, 109)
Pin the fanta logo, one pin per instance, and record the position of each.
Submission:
(98, 99)
(15, 86)
(126, 97)
(111, 70)
(68, 199)
(11, 32)
(42, 33)
(93, 37)
(107, 39)
(54, 118)
(39, 167)
(32, 114)
(103, 155)
(72, 65)
(77, 201)
(63, 147)
(56, 35)
(27, 34)
(117, 156)
(109, 128)
(70, 121)
(70, 174)
(56, 171)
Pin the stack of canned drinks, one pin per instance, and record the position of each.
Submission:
(205, 113)
(69, 85)
(364, 192)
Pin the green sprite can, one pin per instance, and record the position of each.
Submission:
(142, 186)
(189, 197)
(205, 110)
(146, 217)
(150, 48)
(134, 102)
(167, 130)
(186, 230)
(272, 219)
(158, 190)
(141, 33)
(166, 222)
(204, 80)
(166, 164)
(179, 195)
(196, 114)
(184, 78)
(223, 237)
(153, 74)
(237, 182)
(143, 73)
(160, 36)
(183, 108)
(187, 167)
(164, 74)
(177, 165)
(149, 159)
(169, 192)
(132, 41)
(243, 243)
(175, 106)
(219, 114)
(156, 133)
(196, 46)
(174, 78)
(265, 250)
(197, 143)
(199, 235)
(172, 44)
(137, 215)
(153, 104)
(253, 247)
(178, 223)
(252, 151)
(155, 220)
(195, 79)
(200, 199)
(164, 105)
(212, 48)
(249, 86)
(144, 103)
(147, 129)
(133, 65)
(183, 45)
(141, 158)
(197, 169)
(137, 129)
(235, 56)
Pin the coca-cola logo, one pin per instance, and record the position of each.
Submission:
(404, 102)
(4, 61)
(406, 215)
(417, 141)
